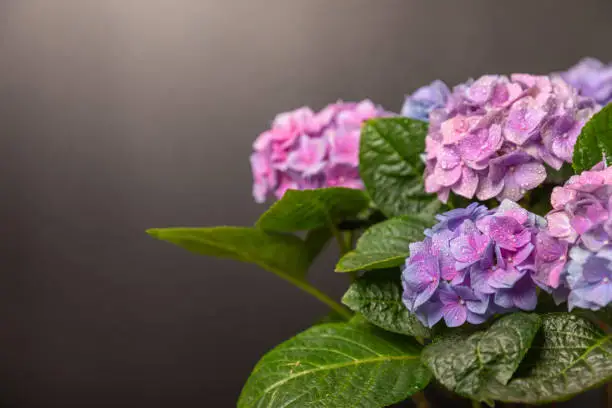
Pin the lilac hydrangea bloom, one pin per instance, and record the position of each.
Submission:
(424, 100)
(574, 257)
(475, 262)
(494, 135)
(592, 78)
(306, 150)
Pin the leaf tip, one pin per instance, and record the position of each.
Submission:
(339, 268)
(153, 232)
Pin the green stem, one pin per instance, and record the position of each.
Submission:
(475, 404)
(348, 239)
(340, 239)
(420, 400)
(311, 290)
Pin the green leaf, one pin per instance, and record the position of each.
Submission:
(469, 364)
(316, 240)
(384, 245)
(390, 166)
(595, 141)
(337, 365)
(310, 209)
(332, 317)
(570, 355)
(377, 296)
(284, 255)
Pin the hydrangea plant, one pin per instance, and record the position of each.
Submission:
(459, 278)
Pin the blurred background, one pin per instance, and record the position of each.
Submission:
(120, 115)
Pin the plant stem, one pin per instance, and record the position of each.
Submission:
(420, 400)
(311, 290)
(342, 246)
(349, 237)
(475, 404)
(345, 244)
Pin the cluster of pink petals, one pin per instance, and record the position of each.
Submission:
(588, 191)
(306, 150)
(495, 134)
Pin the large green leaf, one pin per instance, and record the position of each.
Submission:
(469, 364)
(337, 365)
(377, 295)
(285, 255)
(384, 245)
(595, 141)
(309, 209)
(316, 240)
(570, 355)
(391, 167)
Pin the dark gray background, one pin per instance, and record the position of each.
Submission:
(119, 115)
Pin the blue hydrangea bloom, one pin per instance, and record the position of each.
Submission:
(589, 277)
(475, 262)
(425, 99)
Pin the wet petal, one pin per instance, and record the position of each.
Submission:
(454, 315)
(559, 225)
(524, 119)
(488, 188)
(505, 278)
(468, 184)
(561, 196)
(530, 175)
(447, 178)
(430, 313)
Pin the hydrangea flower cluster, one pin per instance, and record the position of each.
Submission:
(475, 262)
(306, 150)
(494, 135)
(581, 220)
(592, 78)
(421, 102)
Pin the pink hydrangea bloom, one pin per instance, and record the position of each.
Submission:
(306, 150)
(494, 135)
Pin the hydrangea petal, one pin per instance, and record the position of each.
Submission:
(454, 315)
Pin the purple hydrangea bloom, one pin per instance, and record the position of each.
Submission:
(494, 135)
(592, 78)
(473, 263)
(581, 221)
(425, 99)
(306, 150)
